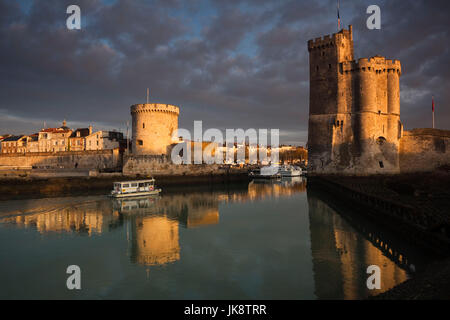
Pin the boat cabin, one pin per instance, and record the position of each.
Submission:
(134, 186)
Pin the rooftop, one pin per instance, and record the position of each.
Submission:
(12, 138)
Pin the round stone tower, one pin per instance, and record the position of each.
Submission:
(152, 127)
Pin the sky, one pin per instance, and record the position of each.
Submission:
(229, 63)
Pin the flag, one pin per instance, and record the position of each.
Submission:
(339, 18)
(432, 103)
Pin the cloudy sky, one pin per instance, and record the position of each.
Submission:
(229, 63)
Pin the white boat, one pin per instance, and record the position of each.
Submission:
(136, 188)
(290, 171)
(267, 172)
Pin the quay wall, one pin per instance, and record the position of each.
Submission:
(423, 150)
(98, 159)
(160, 165)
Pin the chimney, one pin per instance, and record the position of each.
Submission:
(90, 129)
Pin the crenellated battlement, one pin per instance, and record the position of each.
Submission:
(155, 107)
(377, 64)
(329, 40)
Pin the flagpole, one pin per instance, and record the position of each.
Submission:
(432, 105)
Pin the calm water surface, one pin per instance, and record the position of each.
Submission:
(271, 240)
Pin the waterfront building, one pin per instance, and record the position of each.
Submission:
(32, 143)
(77, 140)
(54, 139)
(3, 137)
(104, 140)
(14, 144)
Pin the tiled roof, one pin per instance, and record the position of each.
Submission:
(56, 130)
(12, 138)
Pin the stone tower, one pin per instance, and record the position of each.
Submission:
(153, 125)
(354, 111)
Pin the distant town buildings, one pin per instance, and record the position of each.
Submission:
(62, 139)
(240, 153)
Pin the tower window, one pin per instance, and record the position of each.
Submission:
(329, 66)
(317, 68)
(140, 142)
(381, 140)
(143, 125)
(381, 164)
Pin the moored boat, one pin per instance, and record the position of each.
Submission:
(290, 171)
(267, 172)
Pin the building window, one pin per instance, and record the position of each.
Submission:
(140, 142)
(329, 66)
(143, 125)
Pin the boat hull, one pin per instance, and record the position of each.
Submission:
(136, 194)
(295, 173)
(266, 177)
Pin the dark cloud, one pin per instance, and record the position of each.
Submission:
(234, 63)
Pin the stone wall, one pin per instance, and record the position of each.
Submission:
(100, 159)
(424, 150)
(153, 165)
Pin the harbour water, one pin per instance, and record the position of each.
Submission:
(263, 240)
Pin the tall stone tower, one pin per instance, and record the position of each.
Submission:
(153, 125)
(354, 110)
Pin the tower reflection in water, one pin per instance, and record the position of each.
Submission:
(344, 244)
(154, 224)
